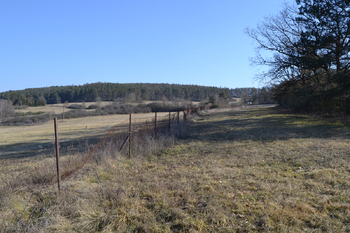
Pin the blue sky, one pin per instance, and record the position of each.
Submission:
(65, 42)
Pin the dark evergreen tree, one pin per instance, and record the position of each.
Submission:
(111, 91)
(310, 45)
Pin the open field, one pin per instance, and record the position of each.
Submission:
(243, 170)
(58, 108)
(19, 141)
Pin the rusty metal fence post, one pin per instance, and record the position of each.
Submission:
(57, 155)
(129, 135)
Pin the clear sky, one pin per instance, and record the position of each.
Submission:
(64, 42)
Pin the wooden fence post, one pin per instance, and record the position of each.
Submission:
(57, 155)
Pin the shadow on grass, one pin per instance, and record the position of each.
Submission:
(262, 124)
(28, 150)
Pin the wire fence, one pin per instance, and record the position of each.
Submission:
(134, 132)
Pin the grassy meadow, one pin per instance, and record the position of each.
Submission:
(233, 170)
(58, 108)
(22, 141)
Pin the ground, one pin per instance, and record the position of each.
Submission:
(236, 170)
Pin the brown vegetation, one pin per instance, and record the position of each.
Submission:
(248, 170)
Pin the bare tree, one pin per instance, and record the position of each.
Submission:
(6, 109)
(276, 38)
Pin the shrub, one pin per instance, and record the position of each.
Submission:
(93, 106)
(214, 106)
(76, 113)
(27, 120)
(166, 106)
(75, 106)
(6, 109)
(125, 109)
(29, 113)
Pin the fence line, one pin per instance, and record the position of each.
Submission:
(65, 176)
(139, 126)
(160, 124)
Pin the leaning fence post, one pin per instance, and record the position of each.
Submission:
(57, 155)
(129, 135)
(155, 124)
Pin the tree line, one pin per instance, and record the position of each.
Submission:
(131, 93)
(306, 50)
(110, 92)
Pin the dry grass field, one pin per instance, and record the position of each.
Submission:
(20, 141)
(58, 108)
(243, 170)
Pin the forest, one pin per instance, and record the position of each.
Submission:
(110, 92)
(130, 92)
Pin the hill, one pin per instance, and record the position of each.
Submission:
(111, 91)
(136, 92)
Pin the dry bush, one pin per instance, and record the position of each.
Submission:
(168, 106)
(27, 120)
(6, 109)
